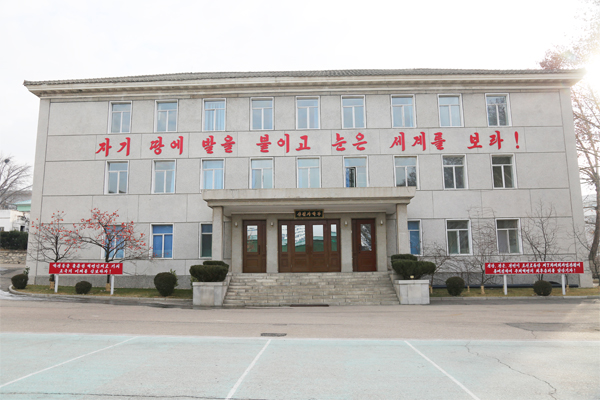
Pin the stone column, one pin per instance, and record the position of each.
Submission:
(403, 245)
(346, 243)
(381, 242)
(236, 244)
(217, 234)
(272, 242)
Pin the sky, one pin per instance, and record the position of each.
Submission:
(57, 39)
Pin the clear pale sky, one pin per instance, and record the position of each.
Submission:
(48, 40)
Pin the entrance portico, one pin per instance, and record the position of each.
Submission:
(345, 206)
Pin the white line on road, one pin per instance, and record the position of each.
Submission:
(444, 372)
(239, 382)
(68, 361)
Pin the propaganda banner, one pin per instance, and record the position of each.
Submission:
(86, 268)
(534, 267)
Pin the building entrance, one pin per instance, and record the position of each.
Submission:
(364, 256)
(309, 246)
(255, 247)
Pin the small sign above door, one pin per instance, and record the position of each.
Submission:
(304, 214)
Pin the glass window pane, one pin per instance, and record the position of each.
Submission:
(210, 164)
(267, 178)
(126, 122)
(464, 242)
(314, 117)
(508, 181)
(122, 107)
(348, 118)
(112, 182)
(167, 106)
(350, 176)
(412, 176)
(513, 241)
(455, 115)
(209, 120)
(400, 176)
(503, 242)
(448, 100)
(303, 178)
(501, 160)
(413, 225)
(318, 241)
(401, 100)
(159, 182)
(262, 103)
(359, 116)
(403, 161)
(123, 182)
(208, 179)
(333, 237)
(398, 115)
(314, 178)
(162, 229)
(157, 246)
(352, 101)
(206, 245)
(161, 125)
(218, 179)
(361, 177)
(302, 118)
(415, 243)
(256, 179)
(452, 242)
(268, 115)
(448, 178)
(284, 239)
(168, 249)
(444, 116)
(458, 224)
(355, 162)
(408, 117)
(507, 224)
(300, 239)
(220, 120)
(308, 162)
(492, 116)
(497, 177)
(252, 239)
(459, 175)
(206, 228)
(365, 237)
(257, 119)
(172, 121)
(502, 115)
(116, 123)
(453, 160)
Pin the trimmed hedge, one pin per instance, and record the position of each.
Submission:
(215, 262)
(210, 272)
(13, 240)
(165, 283)
(407, 266)
(83, 287)
(542, 288)
(19, 281)
(455, 285)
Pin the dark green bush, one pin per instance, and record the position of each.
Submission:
(215, 262)
(455, 285)
(209, 273)
(83, 287)
(404, 257)
(13, 240)
(542, 288)
(412, 269)
(20, 281)
(165, 283)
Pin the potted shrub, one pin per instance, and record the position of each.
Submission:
(211, 281)
(411, 289)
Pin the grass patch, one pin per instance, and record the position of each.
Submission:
(185, 294)
(517, 292)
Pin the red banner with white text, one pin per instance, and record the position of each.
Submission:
(86, 268)
(534, 267)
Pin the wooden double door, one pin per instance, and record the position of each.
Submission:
(309, 246)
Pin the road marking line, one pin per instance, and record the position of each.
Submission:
(444, 372)
(65, 362)
(239, 382)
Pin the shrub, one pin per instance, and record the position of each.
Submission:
(455, 285)
(165, 283)
(13, 240)
(83, 287)
(412, 269)
(19, 281)
(404, 257)
(542, 288)
(215, 262)
(172, 271)
(209, 273)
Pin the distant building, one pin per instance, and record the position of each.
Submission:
(311, 171)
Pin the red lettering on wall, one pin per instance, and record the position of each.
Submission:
(105, 147)
(420, 140)
(359, 144)
(126, 144)
(178, 144)
(228, 145)
(399, 141)
(157, 145)
(339, 142)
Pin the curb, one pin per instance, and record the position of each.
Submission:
(158, 300)
(536, 298)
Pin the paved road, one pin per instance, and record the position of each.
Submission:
(488, 350)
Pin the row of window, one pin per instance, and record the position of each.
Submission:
(308, 113)
(309, 173)
(458, 236)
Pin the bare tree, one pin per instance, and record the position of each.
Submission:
(540, 233)
(437, 254)
(14, 180)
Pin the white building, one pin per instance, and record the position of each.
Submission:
(312, 171)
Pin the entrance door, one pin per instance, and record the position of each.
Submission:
(309, 246)
(364, 257)
(255, 247)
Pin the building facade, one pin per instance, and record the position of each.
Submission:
(313, 171)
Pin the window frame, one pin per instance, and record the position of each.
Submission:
(414, 110)
(364, 99)
(156, 102)
(107, 178)
(465, 177)
(513, 171)
(272, 99)
(416, 170)
(262, 174)
(298, 172)
(200, 256)
(224, 100)
(110, 115)
(420, 236)
(154, 176)
(519, 239)
(460, 110)
(318, 98)
(459, 254)
(172, 241)
(508, 114)
(344, 170)
(202, 172)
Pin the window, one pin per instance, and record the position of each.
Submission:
(212, 174)
(162, 241)
(164, 176)
(449, 110)
(262, 174)
(356, 172)
(454, 172)
(507, 231)
(403, 112)
(497, 109)
(166, 116)
(406, 171)
(116, 177)
(307, 113)
(214, 115)
(120, 117)
(206, 241)
(353, 112)
(114, 242)
(262, 114)
(458, 237)
(414, 234)
(503, 172)
(308, 173)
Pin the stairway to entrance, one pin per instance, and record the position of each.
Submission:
(331, 288)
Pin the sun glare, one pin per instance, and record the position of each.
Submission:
(593, 73)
